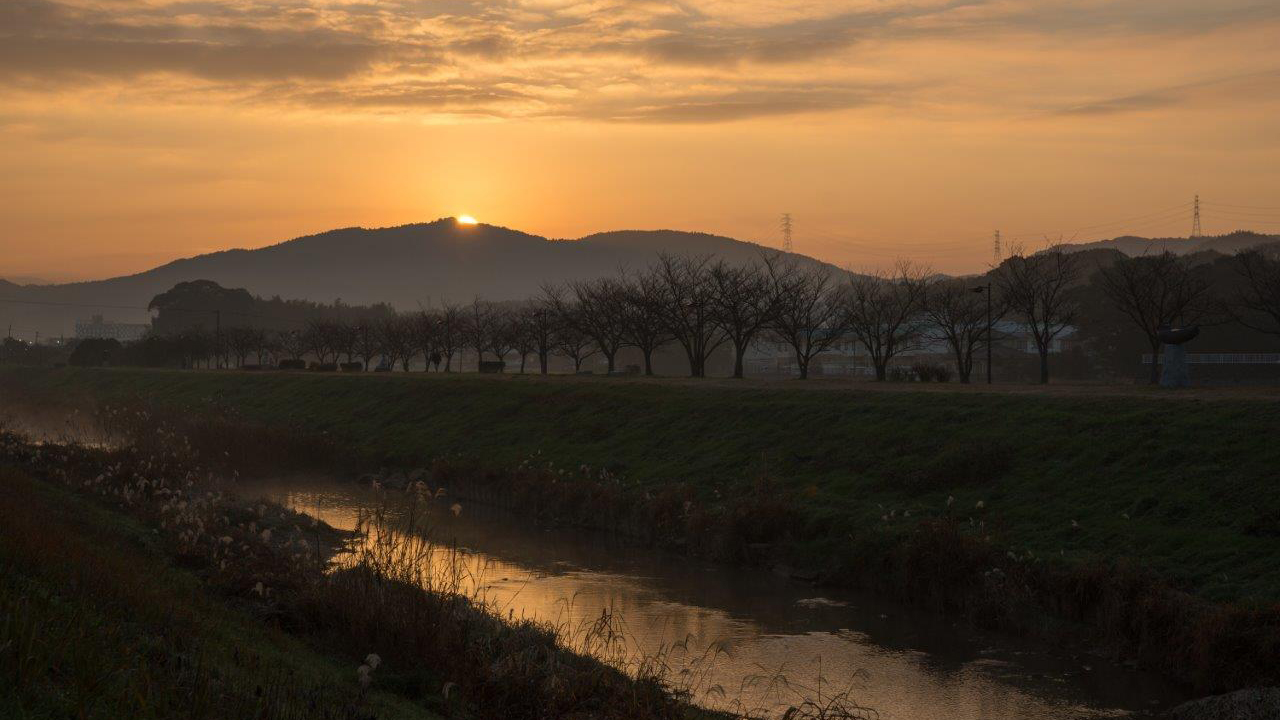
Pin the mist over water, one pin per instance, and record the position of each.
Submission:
(741, 638)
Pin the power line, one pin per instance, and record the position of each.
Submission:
(1176, 209)
(1246, 207)
(104, 306)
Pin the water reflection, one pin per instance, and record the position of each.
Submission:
(750, 638)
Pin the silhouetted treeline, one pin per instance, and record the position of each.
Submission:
(700, 307)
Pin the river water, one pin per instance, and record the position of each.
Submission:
(740, 638)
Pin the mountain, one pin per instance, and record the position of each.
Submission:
(405, 266)
(1228, 244)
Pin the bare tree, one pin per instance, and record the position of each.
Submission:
(598, 310)
(366, 342)
(268, 346)
(540, 322)
(240, 341)
(1038, 289)
(320, 337)
(397, 341)
(504, 333)
(450, 333)
(644, 314)
(478, 327)
(884, 312)
(293, 343)
(344, 339)
(425, 327)
(1156, 291)
(575, 344)
(743, 303)
(1256, 303)
(808, 310)
(690, 307)
(958, 317)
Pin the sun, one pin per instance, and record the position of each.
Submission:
(466, 220)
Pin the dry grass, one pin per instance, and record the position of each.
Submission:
(394, 596)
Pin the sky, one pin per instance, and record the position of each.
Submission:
(133, 132)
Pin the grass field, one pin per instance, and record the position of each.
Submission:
(133, 586)
(1188, 484)
(99, 624)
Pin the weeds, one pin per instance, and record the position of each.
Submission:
(394, 603)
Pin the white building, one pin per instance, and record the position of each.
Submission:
(97, 328)
(767, 356)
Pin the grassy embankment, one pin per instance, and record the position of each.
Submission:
(130, 586)
(99, 623)
(1074, 500)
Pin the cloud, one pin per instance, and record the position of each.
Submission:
(63, 58)
(678, 61)
(1257, 86)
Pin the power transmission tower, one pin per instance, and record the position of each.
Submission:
(997, 253)
(1195, 218)
(786, 232)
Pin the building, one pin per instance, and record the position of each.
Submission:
(847, 357)
(97, 328)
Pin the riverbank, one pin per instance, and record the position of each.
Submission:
(132, 586)
(1150, 521)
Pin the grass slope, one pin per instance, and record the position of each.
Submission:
(1187, 487)
(97, 623)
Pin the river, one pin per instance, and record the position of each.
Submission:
(743, 638)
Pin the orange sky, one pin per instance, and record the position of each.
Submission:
(136, 131)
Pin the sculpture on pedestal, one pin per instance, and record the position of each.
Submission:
(1175, 372)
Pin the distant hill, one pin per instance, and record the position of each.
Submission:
(1228, 244)
(404, 266)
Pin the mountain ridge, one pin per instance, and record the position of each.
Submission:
(405, 265)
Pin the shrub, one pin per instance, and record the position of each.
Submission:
(930, 372)
(293, 364)
(352, 367)
(965, 463)
(900, 374)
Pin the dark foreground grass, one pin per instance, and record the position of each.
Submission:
(1186, 488)
(95, 622)
(132, 586)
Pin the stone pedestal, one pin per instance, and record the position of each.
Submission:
(1175, 372)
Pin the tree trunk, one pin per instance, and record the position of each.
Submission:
(737, 361)
(648, 361)
(542, 362)
(804, 368)
(522, 359)
(963, 370)
(1155, 363)
(1044, 366)
(609, 357)
(882, 370)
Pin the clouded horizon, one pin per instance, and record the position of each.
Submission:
(136, 131)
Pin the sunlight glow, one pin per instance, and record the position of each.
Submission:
(466, 220)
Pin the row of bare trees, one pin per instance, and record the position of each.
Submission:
(703, 306)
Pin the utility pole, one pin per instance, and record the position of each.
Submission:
(786, 232)
(1195, 218)
(989, 323)
(986, 289)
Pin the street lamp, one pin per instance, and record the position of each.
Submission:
(987, 289)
